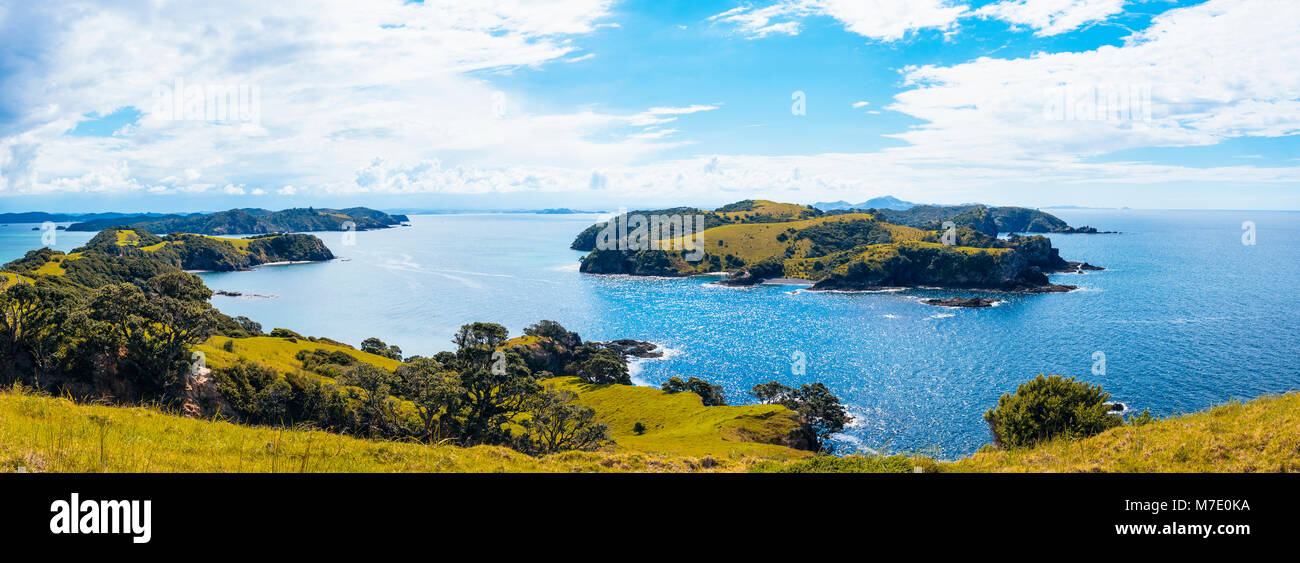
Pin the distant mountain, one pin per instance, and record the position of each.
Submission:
(251, 221)
(548, 211)
(883, 202)
(41, 216)
(982, 218)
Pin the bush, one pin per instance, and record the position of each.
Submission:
(638, 429)
(1048, 407)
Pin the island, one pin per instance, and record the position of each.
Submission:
(251, 221)
(127, 254)
(758, 240)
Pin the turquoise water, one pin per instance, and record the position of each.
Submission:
(1186, 316)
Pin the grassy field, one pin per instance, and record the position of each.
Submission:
(1262, 435)
(47, 434)
(678, 423)
(278, 353)
(753, 242)
(55, 266)
(768, 208)
(9, 278)
(42, 433)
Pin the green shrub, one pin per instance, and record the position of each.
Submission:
(638, 429)
(1048, 407)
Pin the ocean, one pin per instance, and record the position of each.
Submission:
(1185, 316)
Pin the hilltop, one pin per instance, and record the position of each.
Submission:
(252, 221)
(758, 240)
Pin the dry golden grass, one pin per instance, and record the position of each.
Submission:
(46, 434)
(1262, 435)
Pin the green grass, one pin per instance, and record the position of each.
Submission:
(126, 237)
(240, 244)
(47, 434)
(9, 278)
(678, 423)
(769, 208)
(1262, 435)
(754, 242)
(278, 353)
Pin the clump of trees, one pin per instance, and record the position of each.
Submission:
(819, 409)
(482, 393)
(1049, 407)
(377, 347)
(711, 395)
(124, 340)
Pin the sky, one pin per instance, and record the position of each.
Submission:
(600, 104)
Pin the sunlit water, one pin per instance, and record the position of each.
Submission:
(1186, 316)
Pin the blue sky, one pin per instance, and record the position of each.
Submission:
(602, 104)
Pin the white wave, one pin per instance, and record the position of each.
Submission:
(941, 316)
(890, 316)
(637, 365)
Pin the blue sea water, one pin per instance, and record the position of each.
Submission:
(1185, 315)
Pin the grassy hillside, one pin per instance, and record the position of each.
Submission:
(278, 353)
(678, 423)
(46, 434)
(1262, 435)
(42, 433)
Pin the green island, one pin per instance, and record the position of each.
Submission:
(842, 250)
(249, 221)
(112, 358)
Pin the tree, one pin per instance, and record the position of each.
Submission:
(556, 423)
(819, 410)
(711, 395)
(554, 331)
(497, 384)
(377, 347)
(771, 393)
(1047, 407)
(249, 325)
(602, 367)
(436, 393)
(377, 410)
(33, 323)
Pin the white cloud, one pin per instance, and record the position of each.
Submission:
(1212, 71)
(886, 20)
(338, 85)
(661, 115)
(1052, 17)
(857, 105)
